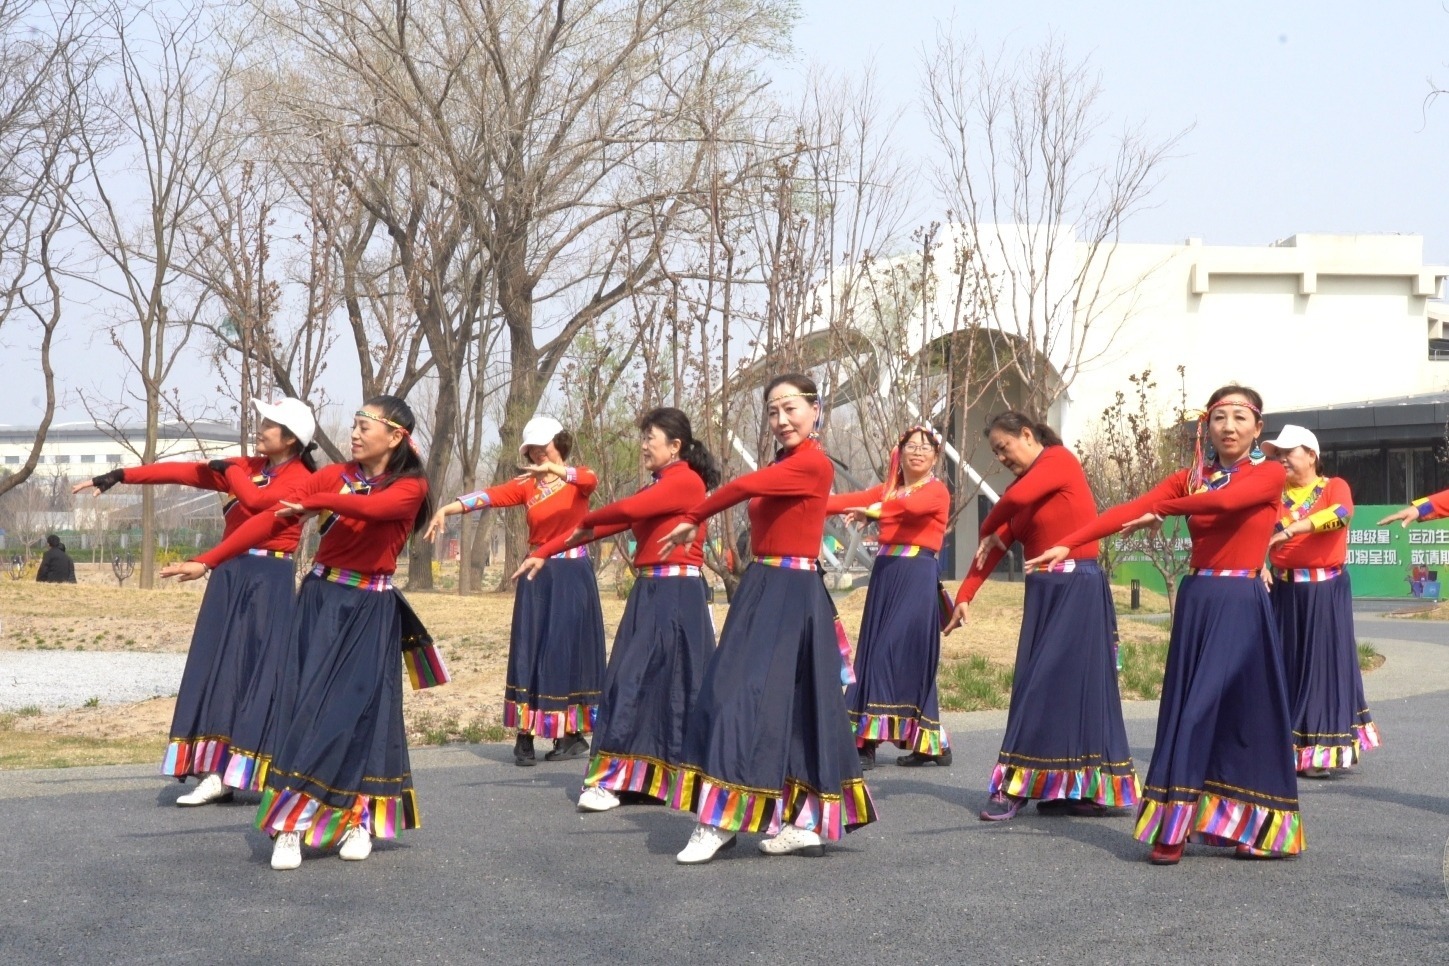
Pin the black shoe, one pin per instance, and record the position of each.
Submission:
(569, 746)
(916, 759)
(1071, 806)
(523, 750)
(867, 755)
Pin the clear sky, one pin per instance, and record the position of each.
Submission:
(1305, 116)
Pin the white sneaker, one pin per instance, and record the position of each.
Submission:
(356, 844)
(793, 840)
(209, 790)
(287, 851)
(596, 799)
(704, 843)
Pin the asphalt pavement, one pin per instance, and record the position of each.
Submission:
(101, 867)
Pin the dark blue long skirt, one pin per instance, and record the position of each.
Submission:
(342, 759)
(898, 653)
(235, 667)
(769, 742)
(555, 651)
(650, 686)
(1065, 737)
(1222, 767)
(1331, 720)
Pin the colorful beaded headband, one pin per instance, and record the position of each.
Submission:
(412, 443)
(1199, 464)
(792, 395)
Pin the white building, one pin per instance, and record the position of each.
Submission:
(78, 450)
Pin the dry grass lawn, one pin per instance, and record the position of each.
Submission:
(472, 633)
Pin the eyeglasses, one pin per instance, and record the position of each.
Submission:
(918, 448)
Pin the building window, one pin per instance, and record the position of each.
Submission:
(62, 458)
(113, 458)
(88, 458)
(12, 460)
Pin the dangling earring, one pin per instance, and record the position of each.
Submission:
(1210, 454)
(1255, 454)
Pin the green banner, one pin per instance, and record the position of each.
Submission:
(1391, 561)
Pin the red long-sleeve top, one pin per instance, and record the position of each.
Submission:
(1327, 545)
(251, 486)
(651, 513)
(1435, 506)
(552, 511)
(787, 502)
(915, 516)
(364, 525)
(1230, 525)
(1042, 505)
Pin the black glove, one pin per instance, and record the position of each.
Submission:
(107, 480)
(218, 466)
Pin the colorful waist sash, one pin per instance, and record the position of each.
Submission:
(279, 554)
(1307, 575)
(573, 553)
(669, 570)
(1068, 566)
(904, 550)
(1209, 572)
(789, 563)
(353, 578)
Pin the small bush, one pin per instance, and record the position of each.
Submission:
(94, 701)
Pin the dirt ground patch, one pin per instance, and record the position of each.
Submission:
(1422, 611)
(472, 633)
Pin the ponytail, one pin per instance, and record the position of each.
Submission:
(405, 461)
(674, 424)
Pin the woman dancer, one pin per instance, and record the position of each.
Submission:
(894, 697)
(768, 745)
(235, 668)
(1065, 742)
(667, 633)
(556, 650)
(1222, 768)
(1313, 602)
(340, 772)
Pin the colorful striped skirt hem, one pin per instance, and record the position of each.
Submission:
(910, 732)
(288, 810)
(1343, 753)
(631, 773)
(573, 720)
(1091, 784)
(1219, 820)
(196, 756)
(737, 809)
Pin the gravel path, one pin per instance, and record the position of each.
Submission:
(53, 680)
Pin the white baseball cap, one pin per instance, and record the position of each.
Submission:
(291, 413)
(539, 431)
(1289, 437)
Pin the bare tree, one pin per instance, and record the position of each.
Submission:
(539, 155)
(48, 61)
(1041, 194)
(170, 103)
(1136, 446)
